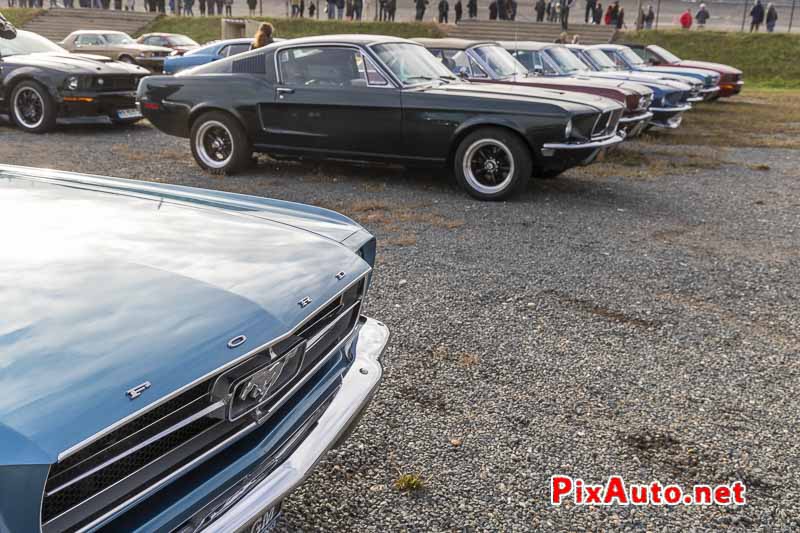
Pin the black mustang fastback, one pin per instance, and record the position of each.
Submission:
(366, 97)
(41, 82)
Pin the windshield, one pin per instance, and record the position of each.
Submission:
(566, 60)
(500, 61)
(117, 38)
(411, 63)
(28, 43)
(668, 56)
(630, 56)
(181, 40)
(600, 59)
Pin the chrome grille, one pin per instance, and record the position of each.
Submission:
(136, 457)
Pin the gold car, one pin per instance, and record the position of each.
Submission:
(116, 45)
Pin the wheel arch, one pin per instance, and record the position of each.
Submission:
(19, 75)
(470, 126)
(201, 109)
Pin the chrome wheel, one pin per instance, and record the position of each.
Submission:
(488, 166)
(29, 107)
(214, 143)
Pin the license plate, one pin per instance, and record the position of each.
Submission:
(129, 113)
(265, 522)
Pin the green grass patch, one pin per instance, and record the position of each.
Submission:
(768, 60)
(19, 16)
(203, 29)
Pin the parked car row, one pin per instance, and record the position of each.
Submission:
(493, 113)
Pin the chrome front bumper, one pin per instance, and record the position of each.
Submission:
(358, 387)
(676, 109)
(637, 118)
(548, 148)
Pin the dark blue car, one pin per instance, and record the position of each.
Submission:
(206, 54)
(173, 359)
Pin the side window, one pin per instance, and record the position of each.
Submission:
(524, 57)
(548, 67)
(648, 56)
(455, 60)
(367, 68)
(89, 40)
(617, 59)
(224, 51)
(324, 66)
(238, 49)
(476, 70)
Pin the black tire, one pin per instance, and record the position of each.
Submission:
(31, 107)
(492, 163)
(220, 144)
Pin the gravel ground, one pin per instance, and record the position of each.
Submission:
(596, 325)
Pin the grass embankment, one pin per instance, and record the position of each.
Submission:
(20, 16)
(203, 29)
(767, 59)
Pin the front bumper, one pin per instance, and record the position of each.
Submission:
(730, 88)
(634, 125)
(550, 148)
(358, 387)
(93, 104)
(710, 93)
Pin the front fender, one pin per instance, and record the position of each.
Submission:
(21, 497)
(536, 131)
(29, 73)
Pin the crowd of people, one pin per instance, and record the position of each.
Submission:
(555, 11)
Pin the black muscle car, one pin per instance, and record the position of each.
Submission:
(364, 97)
(41, 82)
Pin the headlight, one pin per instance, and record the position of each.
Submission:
(145, 54)
(658, 101)
(72, 83)
(568, 129)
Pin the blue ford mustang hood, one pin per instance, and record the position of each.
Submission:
(103, 288)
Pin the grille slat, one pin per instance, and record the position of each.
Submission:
(106, 472)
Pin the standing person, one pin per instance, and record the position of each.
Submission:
(263, 36)
(609, 15)
(340, 9)
(295, 9)
(597, 16)
(772, 17)
(348, 9)
(210, 7)
(228, 8)
(391, 6)
(502, 10)
(358, 9)
(512, 9)
(472, 8)
(219, 3)
(420, 5)
(312, 9)
(202, 4)
(621, 19)
(565, 5)
(458, 9)
(444, 11)
(493, 10)
(756, 16)
(702, 16)
(187, 7)
(251, 6)
(539, 7)
(331, 9)
(589, 14)
(382, 10)
(649, 18)
(685, 20)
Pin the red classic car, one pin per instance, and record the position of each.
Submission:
(730, 78)
(488, 62)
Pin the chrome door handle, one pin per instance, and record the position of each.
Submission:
(282, 91)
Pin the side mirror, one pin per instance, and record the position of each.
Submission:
(463, 73)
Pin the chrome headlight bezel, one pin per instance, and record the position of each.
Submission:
(568, 129)
(72, 83)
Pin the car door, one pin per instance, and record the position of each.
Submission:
(332, 100)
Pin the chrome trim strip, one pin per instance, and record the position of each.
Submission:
(316, 338)
(183, 423)
(676, 109)
(203, 399)
(614, 139)
(72, 449)
(637, 118)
